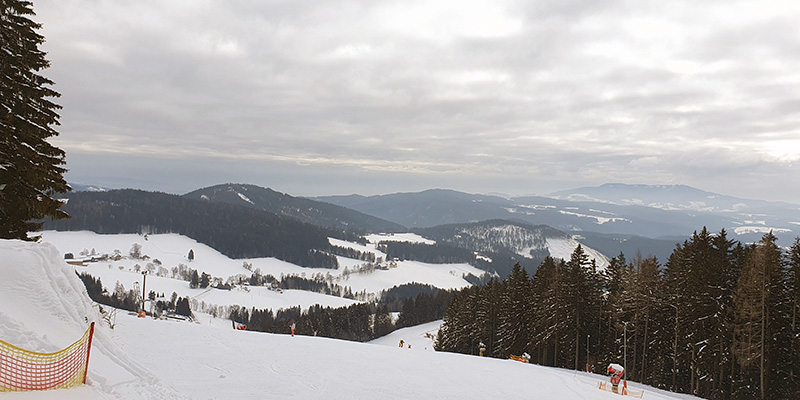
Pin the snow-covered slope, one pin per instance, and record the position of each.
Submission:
(172, 250)
(420, 337)
(45, 309)
(563, 248)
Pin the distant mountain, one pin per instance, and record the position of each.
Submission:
(236, 231)
(664, 197)
(670, 213)
(306, 210)
(746, 219)
(428, 208)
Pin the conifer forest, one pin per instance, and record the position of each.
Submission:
(719, 319)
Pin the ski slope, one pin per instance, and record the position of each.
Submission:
(43, 307)
(420, 337)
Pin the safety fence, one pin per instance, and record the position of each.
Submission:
(23, 370)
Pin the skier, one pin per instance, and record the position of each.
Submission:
(616, 371)
(293, 326)
(401, 342)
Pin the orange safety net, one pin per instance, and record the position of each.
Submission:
(23, 370)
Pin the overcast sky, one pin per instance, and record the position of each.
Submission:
(373, 97)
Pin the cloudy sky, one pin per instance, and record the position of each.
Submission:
(372, 97)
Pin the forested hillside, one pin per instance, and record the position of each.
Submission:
(236, 231)
(719, 320)
(305, 210)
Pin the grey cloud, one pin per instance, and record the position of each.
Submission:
(566, 93)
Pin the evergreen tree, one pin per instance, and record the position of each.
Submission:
(31, 169)
(205, 280)
(757, 300)
(487, 315)
(454, 334)
(383, 321)
(515, 300)
(194, 282)
(793, 302)
(182, 307)
(549, 313)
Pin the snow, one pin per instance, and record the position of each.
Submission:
(245, 198)
(44, 308)
(420, 337)
(598, 219)
(563, 248)
(398, 237)
(173, 249)
(743, 230)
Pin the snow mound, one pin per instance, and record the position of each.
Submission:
(45, 308)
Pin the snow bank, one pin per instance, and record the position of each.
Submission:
(45, 308)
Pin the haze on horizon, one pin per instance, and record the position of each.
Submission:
(339, 97)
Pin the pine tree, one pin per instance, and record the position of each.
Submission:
(513, 327)
(194, 281)
(757, 300)
(205, 280)
(31, 169)
(383, 321)
(548, 313)
(793, 302)
(487, 314)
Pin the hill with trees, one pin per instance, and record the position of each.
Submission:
(302, 209)
(236, 231)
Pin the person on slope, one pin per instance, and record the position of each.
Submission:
(293, 327)
(616, 371)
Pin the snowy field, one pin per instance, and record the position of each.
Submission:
(172, 250)
(43, 307)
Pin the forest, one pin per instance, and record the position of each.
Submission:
(236, 231)
(359, 322)
(719, 319)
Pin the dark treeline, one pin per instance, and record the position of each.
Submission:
(395, 296)
(358, 322)
(318, 284)
(499, 261)
(720, 319)
(349, 323)
(425, 307)
(235, 231)
(352, 253)
(430, 253)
